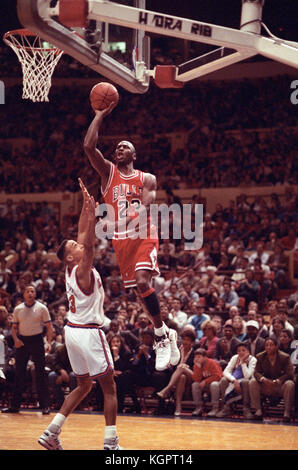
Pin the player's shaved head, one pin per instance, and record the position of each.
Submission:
(129, 144)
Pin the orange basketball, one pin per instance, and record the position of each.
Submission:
(102, 94)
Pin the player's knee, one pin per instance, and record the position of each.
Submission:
(143, 285)
(85, 386)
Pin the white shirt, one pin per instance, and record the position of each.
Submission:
(84, 308)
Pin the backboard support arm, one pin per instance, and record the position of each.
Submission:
(233, 45)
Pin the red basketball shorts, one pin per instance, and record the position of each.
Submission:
(133, 255)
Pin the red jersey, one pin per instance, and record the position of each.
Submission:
(122, 194)
(133, 252)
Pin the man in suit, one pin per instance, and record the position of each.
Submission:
(255, 343)
(274, 376)
(226, 347)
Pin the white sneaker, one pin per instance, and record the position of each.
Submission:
(175, 353)
(112, 444)
(50, 440)
(162, 348)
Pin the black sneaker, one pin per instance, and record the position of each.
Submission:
(10, 410)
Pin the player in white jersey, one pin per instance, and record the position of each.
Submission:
(87, 348)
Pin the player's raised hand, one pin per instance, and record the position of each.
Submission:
(83, 188)
(106, 111)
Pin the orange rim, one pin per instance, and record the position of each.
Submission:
(24, 33)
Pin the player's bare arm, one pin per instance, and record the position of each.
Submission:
(148, 197)
(87, 239)
(149, 190)
(96, 158)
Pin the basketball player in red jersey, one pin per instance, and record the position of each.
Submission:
(129, 192)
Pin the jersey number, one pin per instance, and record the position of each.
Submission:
(123, 206)
(72, 305)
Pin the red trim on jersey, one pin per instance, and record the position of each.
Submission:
(86, 325)
(147, 293)
(69, 270)
(82, 376)
(111, 174)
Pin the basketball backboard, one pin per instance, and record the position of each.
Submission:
(81, 28)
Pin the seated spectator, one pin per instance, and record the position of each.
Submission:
(276, 327)
(224, 267)
(289, 241)
(263, 329)
(206, 376)
(177, 315)
(62, 375)
(166, 261)
(123, 358)
(217, 320)
(141, 324)
(44, 293)
(278, 263)
(253, 341)
(259, 253)
(239, 327)
(249, 288)
(45, 277)
(130, 339)
(226, 346)
(197, 318)
(210, 280)
(115, 291)
(273, 377)
(233, 312)
(209, 339)
(293, 315)
(234, 385)
(190, 294)
(165, 312)
(185, 261)
(182, 375)
(229, 296)
(58, 324)
(143, 365)
(166, 244)
(239, 273)
(282, 312)
(285, 341)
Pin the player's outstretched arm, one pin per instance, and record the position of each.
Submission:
(87, 239)
(96, 158)
(82, 225)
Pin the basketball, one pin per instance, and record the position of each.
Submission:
(102, 94)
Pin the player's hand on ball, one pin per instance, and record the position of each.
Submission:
(106, 111)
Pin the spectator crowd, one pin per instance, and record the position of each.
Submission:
(262, 152)
(227, 295)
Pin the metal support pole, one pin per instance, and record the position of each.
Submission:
(251, 16)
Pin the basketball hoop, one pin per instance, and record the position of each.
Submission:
(38, 59)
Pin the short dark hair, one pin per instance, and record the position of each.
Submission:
(243, 344)
(61, 250)
(271, 338)
(200, 351)
(188, 334)
(149, 332)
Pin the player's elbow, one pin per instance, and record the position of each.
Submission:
(89, 149)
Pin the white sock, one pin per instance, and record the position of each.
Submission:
(160, 331)
(57, 423)
(110, 432)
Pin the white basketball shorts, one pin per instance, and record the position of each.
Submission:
(88, 350)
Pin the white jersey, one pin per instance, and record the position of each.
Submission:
(84, 308)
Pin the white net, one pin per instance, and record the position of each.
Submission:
(38, 60)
